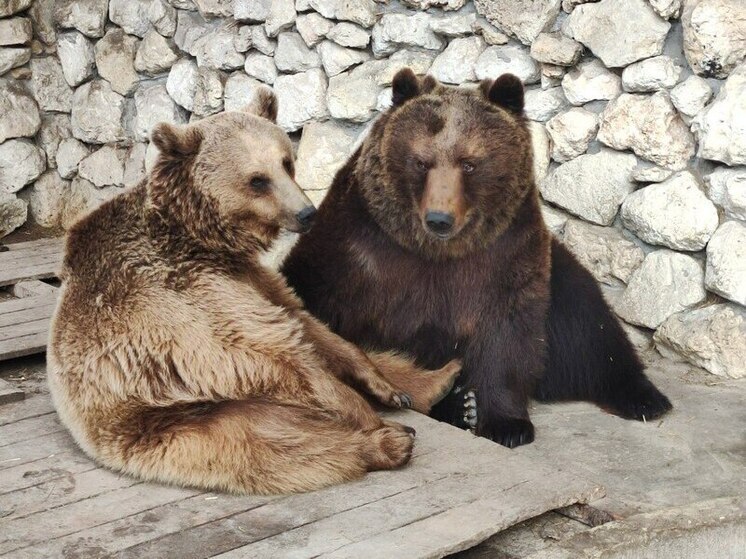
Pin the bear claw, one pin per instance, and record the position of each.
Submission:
(470, 410)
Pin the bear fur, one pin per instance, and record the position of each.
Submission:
(433, 228)
(175, 356)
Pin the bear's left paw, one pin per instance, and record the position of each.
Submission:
(508, 431)
(641, 401)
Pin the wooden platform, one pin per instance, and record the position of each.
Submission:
(457, 491)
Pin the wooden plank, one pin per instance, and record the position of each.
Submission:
(38, 271)
(27, 315)
(9, 393)
(51, 467)
(16, 331)
(31, 428)
(33, 406)
(25, 303)
(34, 288)
(26, 345)
(38, 243)
(19, 453)
(19, 256)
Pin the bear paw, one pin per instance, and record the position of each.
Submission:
(389, 447)
(508, 431)
(641, 401)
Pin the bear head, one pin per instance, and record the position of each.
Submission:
(445, 169)
(229, 178)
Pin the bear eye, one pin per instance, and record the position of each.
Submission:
(288, 166)
(468, 167)
(420, 164)
(259, 183)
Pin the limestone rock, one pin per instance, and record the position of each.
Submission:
(214, 8)
(543, 104)
(651, 74)
(130, 15)
(714, 35)
(75, 52)
(721, 127)
(190, 28)
(48, 85)
(281, 16)
(713, 338)
(727, 189)
(604, 251)
(490, 33)
(667, 9)
(134, 165)
(15, 31)
(261, 67)
(591, 186)
(43, 19)
(674, 213)
(183, 5)
(163, 17)
(292, 54)
(13, 57)
(571, 133)
(591, 81)
(348, 35)
(301, 98)
(84, 197)
(691, 96)
(645, 171)
(618, 32)
(10, 7)
(182, 83)
(523, 20)
(55, 127)
(541, 148)
(353, 95)
(156, 54)
(98, 113)
(555, 48)
(444, 4)
(456, 63)
(554, 219)
(217, 48)
(458, 25)
(395, 31)
(19, 114)
(115, 60)
(69, 153)
(251, 10)
(208, 92)
(648, 125)
(336, 59)
(154, 105)
(46, 199)
(419, 62)
(13, 213)
(666, 283)
(104, 167)
(362, 12)
(513, 59)
(87, 16)
(324, 147)
(313, 28)
(259, 41)
(726, 262)
(20, 163)
(240, 90)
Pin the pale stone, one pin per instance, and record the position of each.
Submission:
(691, 95)
(184, 4)
(645, 171)
(292, 54)
(46, 199)
(362, 12)
(648, 125)
(260, 41)
(396, 31)
(666, 283)
(55, 128)
(458, 25)
(347, 35)
(214, 8)
(13, 212)
(721, 126)
(555, 48)
(13, 57)
(523, 20)
(543, 104)
(674, 213)
(727, 189)
(353, 95)
(43, 19)
(554, 219)
(104, 167)
(156, 54)
(182, 83)
(444, 4)
(98, 113)
(714, 35)
(163, 17)
(604, 251)
(75, 52)
(261, 67)
(490, 33)
(456, 63)
(313, 28)
(151, 156)
(651, 74)
(251, 10)
(84, 197)
(713, 338)
(336, 59)
(571, 133)
(130, 15)
(87, 16)
(134, 165)
(115, 60)
(48, 85)
(667, 9)
(618, 32)
(240, 91)
(10, 7)
(154, 105)
(208, 92)
(20, 163)
(324, 147)
(217, 48)
(301, 98)
(69, 153)
(385, 100)
(281, 16)
(541, 149)
(419, 62)
(591, 81)
(19, 113)
(726, 262)
(15, 31)
(591, 186)
(508, 59)
(190, 28)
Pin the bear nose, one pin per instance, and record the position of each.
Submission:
(305, 217)
(439, 223)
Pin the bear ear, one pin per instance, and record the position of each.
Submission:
(263, 105)
(506, 92)
(176, 141)
(404, 87)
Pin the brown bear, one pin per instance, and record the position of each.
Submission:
(433, 228)
(175, 356)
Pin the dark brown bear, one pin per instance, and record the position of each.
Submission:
(431, 241)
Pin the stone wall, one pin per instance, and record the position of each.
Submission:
(638, 110)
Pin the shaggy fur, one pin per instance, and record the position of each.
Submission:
(495, 290)
(174, 356)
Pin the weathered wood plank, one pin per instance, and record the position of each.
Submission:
(26, 345)
(38, 243)
(25, 303)
(9, 393)
(54, 466)
(19, 453)
(17, 331)
(19, 256)
(13, 318)
(31, 428)
(33, 406)
(40, 270)
(33, 288)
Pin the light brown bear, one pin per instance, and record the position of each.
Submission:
(175, 356)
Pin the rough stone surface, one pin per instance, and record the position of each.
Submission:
(310, 87)
(261, 67)
(523, 20)
(721, 127)
(691, 96)
(336, 59)
(419, 62)
(48, 85)
(182, 83)
(349, 35)
(714, 35)
(645, 171)
(727, 189)
(571, 133)
(313, 28)
(20, 163)
(280, 17)
(97, 113)
(69, 153)
(134, 165)
(543, 104)
(591, 186)
(251, 10)
(76, 55)
(240, 90)
(208, 92)
(13, 212)
(10, 7)
(104, 167)
(13, 57)
(323, 149)
(362, 12)
(156, 54)
(87, 16)
(651, 74)
(217, 48)
(445, 4)
(84, 197)
(490, 33)
(292, 54)
(674, 213)
(15, 31)
(554, 219)
(353, 95)
(456, 63)
(666, 283)
(713, 338)
(609, 256)
(154, 105)
(130, 15)
(457, 25)
(650, 126)
(46, 199)
(19, 113)
(591, 81)
(396, 31)
(512, 59)
(55, 127)
(555, 48)
(542, 149)
(163, 17)
(619, 32)
(115, 60)
(726, 262)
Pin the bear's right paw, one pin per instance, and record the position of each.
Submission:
(508, 431)
(390, 447)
